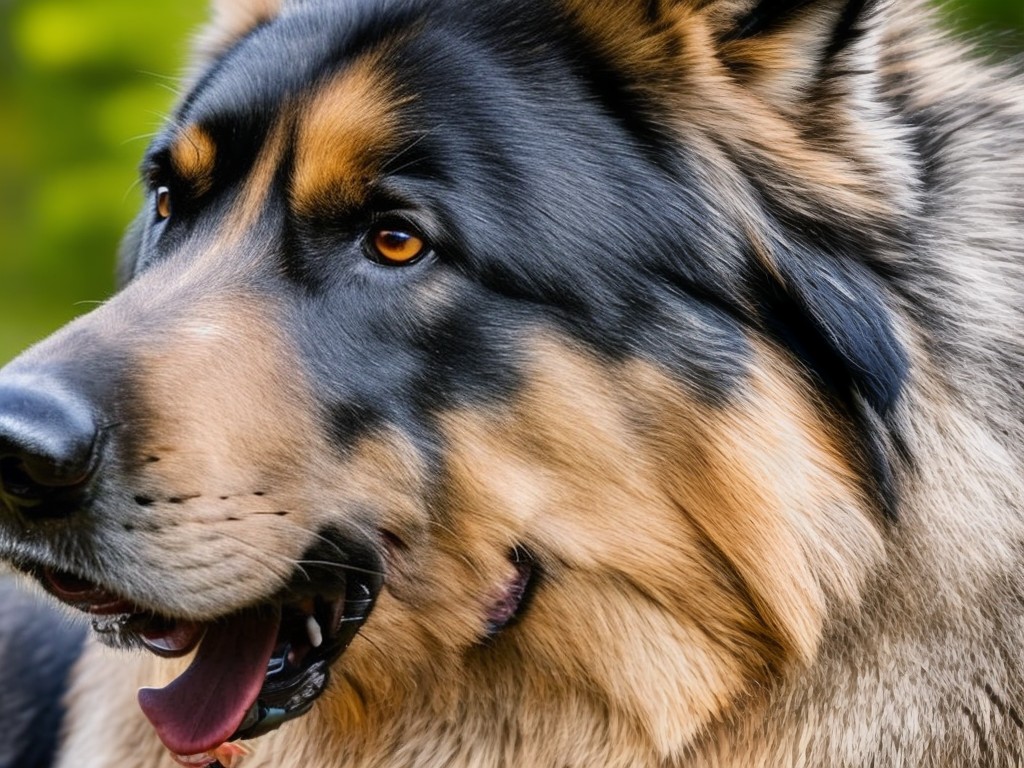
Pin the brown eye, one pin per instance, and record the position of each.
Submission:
(395, 246)
(163, 203)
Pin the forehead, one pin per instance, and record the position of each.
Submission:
(321, 75)
(282, 58)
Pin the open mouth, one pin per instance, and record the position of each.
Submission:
(260, 667)
(252, 671)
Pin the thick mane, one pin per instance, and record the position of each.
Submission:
(562, 384)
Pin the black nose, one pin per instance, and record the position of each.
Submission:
(48, 440)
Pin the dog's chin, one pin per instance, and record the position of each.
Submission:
(253, 669)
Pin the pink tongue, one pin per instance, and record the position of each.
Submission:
(201, 709)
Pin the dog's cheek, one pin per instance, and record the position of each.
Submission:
(664, 522)
(625, 583)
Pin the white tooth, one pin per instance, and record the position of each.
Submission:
(316, 635)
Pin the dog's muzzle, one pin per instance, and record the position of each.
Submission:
(254, 668)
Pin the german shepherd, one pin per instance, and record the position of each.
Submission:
(546, 383)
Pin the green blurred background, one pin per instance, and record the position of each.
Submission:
(82, 85)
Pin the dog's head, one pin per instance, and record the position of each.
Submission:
(536, 343)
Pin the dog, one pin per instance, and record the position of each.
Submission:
(549, 383)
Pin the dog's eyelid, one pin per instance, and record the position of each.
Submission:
(406, 215)
(155, 169)
(398, 219)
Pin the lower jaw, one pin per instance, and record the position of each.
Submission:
(312, 634)
(303, 636)
(299, 668)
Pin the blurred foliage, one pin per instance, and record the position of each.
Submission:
(998, 23)
(82, 85)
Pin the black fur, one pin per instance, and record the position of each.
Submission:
(584, 195)
(37, 648)
(519, 226)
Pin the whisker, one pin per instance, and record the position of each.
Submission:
(344, 567)
(262, 557)
(140, 137)
(158, 76)
(404, 151)
(370, 538)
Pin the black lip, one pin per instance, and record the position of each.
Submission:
(530, 575)
(341, 576)
(290, 691)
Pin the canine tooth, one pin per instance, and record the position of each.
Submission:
(316, 635)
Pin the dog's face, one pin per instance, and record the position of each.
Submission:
(459, 326)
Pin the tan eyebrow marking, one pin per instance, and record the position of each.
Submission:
(194, 157)
(349, 127)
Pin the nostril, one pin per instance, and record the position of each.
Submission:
(15, 480)
(48, 445)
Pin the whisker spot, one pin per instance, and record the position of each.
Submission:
(183, 499)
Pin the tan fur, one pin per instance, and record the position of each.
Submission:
(219, 474)
(194, 156)
(665, 551)
(347, 130)
(747, 605)
(673, 530)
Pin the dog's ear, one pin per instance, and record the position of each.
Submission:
(793, 25)
(239, 16)
(780, 48)
(231, 20)
(833, 22)
(783, 47)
